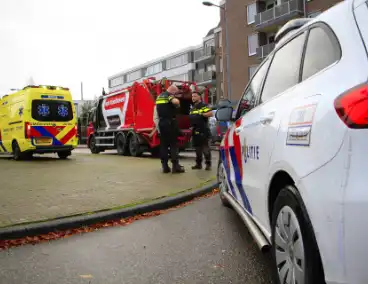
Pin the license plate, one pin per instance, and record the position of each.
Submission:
(43, 140)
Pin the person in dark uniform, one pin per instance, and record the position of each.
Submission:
(166, 107)
(201, 133)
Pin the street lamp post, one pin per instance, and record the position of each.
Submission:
(206, 3)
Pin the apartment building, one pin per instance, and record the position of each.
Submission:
(208, 70)
(251, 27)
(176, 66)
(196, 63)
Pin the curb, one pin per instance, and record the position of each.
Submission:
(68, 223)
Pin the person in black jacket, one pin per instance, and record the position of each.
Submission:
(201, 133)
(166, 105)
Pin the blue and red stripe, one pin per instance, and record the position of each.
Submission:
(239, 179)
(43, 132)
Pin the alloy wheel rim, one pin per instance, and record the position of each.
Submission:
(289, 248)
(222, 179)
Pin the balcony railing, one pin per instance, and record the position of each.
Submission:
(205, 76)
(283, 10)
(265, 50)
(204, 53)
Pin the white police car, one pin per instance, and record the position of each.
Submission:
(294, 163)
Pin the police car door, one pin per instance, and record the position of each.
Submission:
(259, 128)
(235, 137)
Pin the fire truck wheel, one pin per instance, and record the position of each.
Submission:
(92, 146)
(134, 148)
(121, 144)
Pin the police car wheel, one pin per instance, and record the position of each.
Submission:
(295, 251)
(221, 179)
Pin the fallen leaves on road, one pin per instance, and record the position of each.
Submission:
(5, 244)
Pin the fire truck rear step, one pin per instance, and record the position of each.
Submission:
(104, 137)
(105, 145)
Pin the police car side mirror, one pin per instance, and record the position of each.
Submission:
(224, 114)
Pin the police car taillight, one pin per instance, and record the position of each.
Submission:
(352, 107)
(27, 130)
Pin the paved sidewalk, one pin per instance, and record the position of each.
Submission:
(47, 187)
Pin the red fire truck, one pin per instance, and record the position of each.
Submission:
(123, 119)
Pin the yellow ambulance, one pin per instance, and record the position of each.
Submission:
(38, 120)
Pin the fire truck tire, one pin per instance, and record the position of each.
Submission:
(92, 146)
(135, 148)
(121, 144)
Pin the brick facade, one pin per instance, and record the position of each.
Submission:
(239, 30)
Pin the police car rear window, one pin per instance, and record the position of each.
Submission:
(51, 110)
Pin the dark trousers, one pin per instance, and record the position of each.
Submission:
(201, 144)
(168, 142)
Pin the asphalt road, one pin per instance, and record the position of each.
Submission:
(200, 243)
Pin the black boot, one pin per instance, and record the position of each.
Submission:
(177, 168)
(208, 167)
(197, 167)
(165, 168)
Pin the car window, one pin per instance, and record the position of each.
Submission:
(284, 70)
(249, 98)
(322, 50)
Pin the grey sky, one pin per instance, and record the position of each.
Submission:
(69, 41)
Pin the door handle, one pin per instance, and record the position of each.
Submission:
(268, 118)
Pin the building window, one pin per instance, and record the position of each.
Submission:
(220, 39)
(181, 77)
(221, 64)
(210, 67)
(252, 69)
(252, 44)
(134, 76)
(209, 43)
(154, 69)
(116, 81)
(251, 13)
(177, 61)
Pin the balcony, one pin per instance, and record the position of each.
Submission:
(205, 78)
(204, 54)
(279, 15)
(265, 50)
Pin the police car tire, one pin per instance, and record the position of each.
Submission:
(222, 197)
(289, 196)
